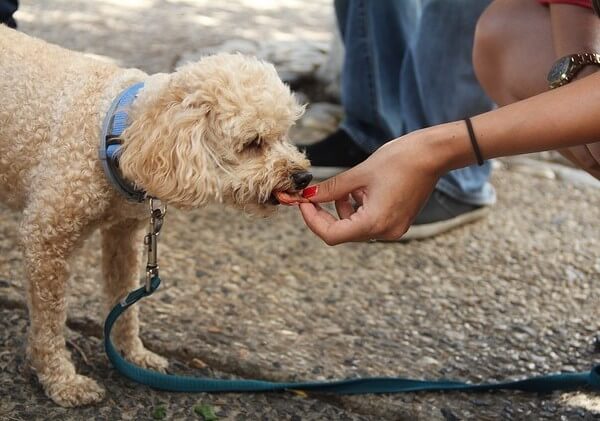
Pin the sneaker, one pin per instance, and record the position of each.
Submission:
(442, 213)
(334, 154)
(10, 22)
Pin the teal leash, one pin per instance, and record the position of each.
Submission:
(174, 383)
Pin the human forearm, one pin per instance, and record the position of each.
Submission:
(561, 118)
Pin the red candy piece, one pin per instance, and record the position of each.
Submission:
(289, 199)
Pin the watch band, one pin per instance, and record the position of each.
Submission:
(586, 58)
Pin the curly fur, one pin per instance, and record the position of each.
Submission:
(213, 131)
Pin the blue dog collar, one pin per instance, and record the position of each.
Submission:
(115, 123)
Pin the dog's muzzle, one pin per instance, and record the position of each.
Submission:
(292, 196)
(301, 179)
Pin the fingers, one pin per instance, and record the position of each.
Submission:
(594, 149)
(332, 230)
(567, 154)
(344, 208)
(335, 188)
(358, 196)
(584, 157)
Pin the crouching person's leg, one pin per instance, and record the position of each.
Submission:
(516, 44)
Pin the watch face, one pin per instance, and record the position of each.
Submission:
(559, 70)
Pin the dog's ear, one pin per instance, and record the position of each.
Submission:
(198, 100)
(165, 153)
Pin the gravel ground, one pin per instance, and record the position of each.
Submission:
(508, 296)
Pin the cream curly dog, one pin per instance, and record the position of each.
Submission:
(213, 131)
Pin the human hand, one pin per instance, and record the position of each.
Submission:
(587, 157)
(388, 189)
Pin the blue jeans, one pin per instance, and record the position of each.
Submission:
(408, 65)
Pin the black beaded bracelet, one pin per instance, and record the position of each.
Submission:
(474, 142)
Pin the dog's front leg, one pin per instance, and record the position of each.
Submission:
(120, 265)
(49, 235)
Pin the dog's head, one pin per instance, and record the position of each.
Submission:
(215, 130)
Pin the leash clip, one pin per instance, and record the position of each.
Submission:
(157, 215)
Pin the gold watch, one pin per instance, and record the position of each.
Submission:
(566, 68)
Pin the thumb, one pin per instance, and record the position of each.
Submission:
(334, 188)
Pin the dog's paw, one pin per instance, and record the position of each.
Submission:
(75, 390)
(148, 359)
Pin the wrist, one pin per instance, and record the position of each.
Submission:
(447, 146)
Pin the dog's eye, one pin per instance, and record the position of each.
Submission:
(254, 143)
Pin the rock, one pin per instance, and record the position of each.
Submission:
(597, 265)
(538, 359)
(589, 401)
(498, 165)
(543, 169)
(596, 344)
(427, 361)
(294, 60)
(198, 363)
(449, 415)
(576, 176)
(322, 116)
(243, 46)
(538, 170)
(573, 274)
(521, 337)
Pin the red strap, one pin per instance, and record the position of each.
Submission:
(582, 3)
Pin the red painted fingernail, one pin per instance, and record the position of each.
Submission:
(309, 191)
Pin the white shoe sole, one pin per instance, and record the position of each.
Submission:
(421, 232)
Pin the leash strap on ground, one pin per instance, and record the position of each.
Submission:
(174, 383)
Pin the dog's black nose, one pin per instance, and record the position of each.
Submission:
(301, 179)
